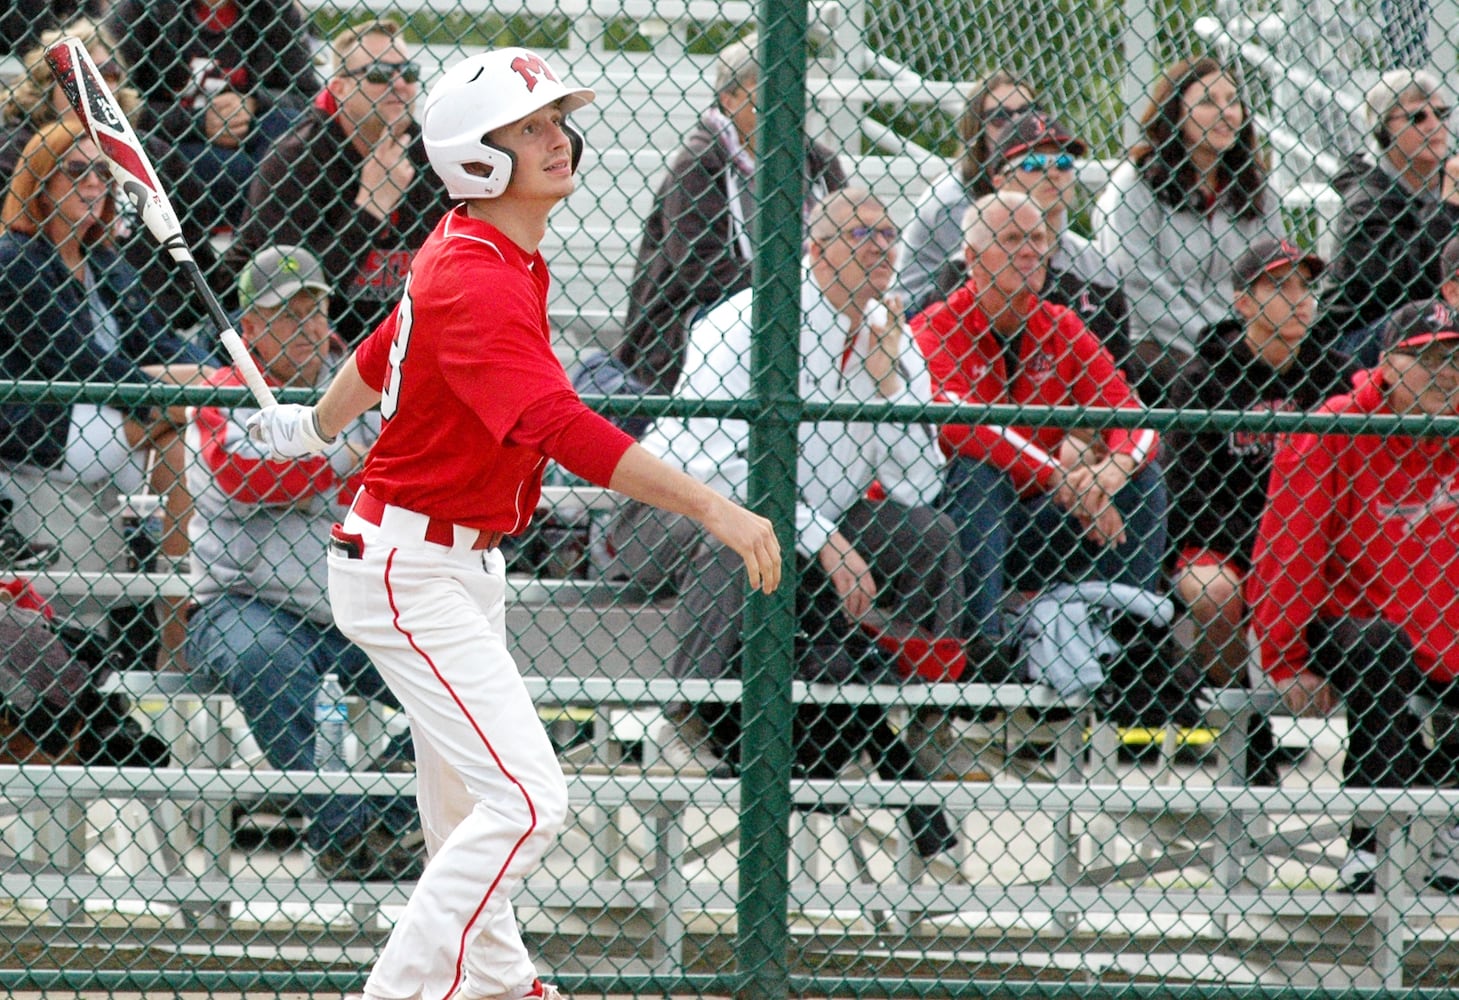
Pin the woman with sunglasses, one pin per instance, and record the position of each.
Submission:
(72, 310)
(935, 234)
(1399, 209)
(350, 181)
(1191, 198)
(38, 100)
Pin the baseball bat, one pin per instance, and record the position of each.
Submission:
(103, 120)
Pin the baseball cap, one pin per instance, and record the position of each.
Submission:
(276, 274)
(1266, 255)
(1419, 324)
(1028, 131)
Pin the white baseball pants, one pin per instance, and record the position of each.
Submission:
(492, 795)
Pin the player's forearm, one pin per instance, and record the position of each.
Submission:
(645, 478)
(347, 397)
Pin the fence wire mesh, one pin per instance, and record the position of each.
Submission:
(1108, 413)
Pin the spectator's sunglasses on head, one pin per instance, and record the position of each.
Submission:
(1032, 163)
(384, 73)
(1004, 114)
(1421, 116)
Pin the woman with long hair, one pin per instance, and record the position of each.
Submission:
(1192, 196)
(72, 310)
(935, 234)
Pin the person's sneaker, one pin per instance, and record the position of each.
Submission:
(20, 555)
(1357, 874)
(685, 747)
(1444, 860)
(375, 857)
(947, 751)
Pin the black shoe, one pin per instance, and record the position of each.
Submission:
(375, 857)
(19, 555)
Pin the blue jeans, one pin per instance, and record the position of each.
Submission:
(272, 662)
(1031, 543)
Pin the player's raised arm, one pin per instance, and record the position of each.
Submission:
(645, 478)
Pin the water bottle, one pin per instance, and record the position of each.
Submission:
(331, 726)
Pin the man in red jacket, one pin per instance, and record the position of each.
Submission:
(1037, 504)
(1353, 588)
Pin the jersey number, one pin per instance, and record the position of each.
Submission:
(404, 319)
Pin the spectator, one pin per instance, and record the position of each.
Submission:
(935, 235)
(1035, 505)
(1352, 585)
(696, 242)
(263, 625)
(22, 22)
(71, 310)
(1449, 268)
(181, 52)
(349, 181)
(1191, 198)
(220, 155)
(1037, 156)
(1263, 359)
(1396, 215)
(856, 554)
(38, 100)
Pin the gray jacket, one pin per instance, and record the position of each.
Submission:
(260, 528)
(1174, 264)
(1065, 634)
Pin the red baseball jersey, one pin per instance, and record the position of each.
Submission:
(473, 398)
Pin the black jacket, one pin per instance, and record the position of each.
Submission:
(1218, 479)
(1389, 241)
(688, 258)
(266, 49)
(46, 334)
(304, 195)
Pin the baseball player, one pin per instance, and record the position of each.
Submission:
(474, 404)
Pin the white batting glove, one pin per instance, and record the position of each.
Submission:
(287, 431)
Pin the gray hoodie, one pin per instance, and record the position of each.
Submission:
(260, 528)
(1174, 263)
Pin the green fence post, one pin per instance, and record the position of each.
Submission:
(765, 801)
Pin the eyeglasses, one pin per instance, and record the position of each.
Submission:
(384, 73)
(1034, 162)
(887, 234)
(1003, 114)
(78, 169)
(1421, 116)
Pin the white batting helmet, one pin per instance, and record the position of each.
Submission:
(483, 93)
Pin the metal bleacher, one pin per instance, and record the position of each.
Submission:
(1106, 840)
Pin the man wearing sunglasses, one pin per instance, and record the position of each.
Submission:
(1038, 157)
(350, 182)
(1398, 212)
(1353, 587)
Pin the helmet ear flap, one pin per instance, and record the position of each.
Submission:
(502, 163)
(575, 139)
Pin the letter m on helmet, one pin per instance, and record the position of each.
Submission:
(529, 68)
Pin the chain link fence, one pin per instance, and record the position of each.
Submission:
(1098, 359)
